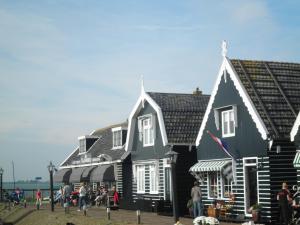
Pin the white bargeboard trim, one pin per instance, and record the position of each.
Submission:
(228, 69)
(132, 119)
(295, 128)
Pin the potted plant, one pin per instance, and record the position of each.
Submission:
(255, 211)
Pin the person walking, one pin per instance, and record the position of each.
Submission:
(196, 195)
(82, 197)
(284, 200)
(38, 196)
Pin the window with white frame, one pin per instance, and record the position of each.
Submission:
(140, 178)
(153, 178)
(82, 145)
(228, 123)
(227, 186)
(117, 138)
(148, 137)
(213, 189)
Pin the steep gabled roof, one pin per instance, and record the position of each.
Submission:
(179, 116)
(182, 114)
(101, 146)
(270, 91)
(274, 89)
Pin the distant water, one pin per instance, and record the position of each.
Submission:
(31, 187)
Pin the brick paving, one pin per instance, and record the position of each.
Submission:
(129, 216)
(147, 218)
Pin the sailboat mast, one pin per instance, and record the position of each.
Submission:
(13, 167)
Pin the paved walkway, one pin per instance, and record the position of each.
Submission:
(130, 216)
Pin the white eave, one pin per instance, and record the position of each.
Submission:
(132, 119)
(295, 128)
(227, 66)
(90, 164)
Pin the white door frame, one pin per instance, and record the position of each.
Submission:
(245, 164)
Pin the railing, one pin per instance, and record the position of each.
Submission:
(30, 194)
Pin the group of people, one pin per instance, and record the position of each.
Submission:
(85, 196)
(288, 203)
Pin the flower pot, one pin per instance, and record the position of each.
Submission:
(255, 215)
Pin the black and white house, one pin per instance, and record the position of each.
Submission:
(100, 159)
(160, 122)
(252, 109)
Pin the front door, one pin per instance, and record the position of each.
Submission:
(250, 183)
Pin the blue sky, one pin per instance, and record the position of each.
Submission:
(69, 67)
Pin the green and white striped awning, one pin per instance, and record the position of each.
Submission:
(214, 165)
(296, 161)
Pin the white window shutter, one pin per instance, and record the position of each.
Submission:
(134, 173)
(140, 128)
(234, 107)
(153, 126)
(217, 120)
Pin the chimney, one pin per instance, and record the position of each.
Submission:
(197, 92)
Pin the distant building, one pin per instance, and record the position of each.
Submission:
(99, 160)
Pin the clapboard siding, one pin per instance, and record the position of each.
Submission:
(264, 194)
(281, 170)
(119, 178)
(147, 195)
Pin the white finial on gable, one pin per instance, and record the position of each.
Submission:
(224, 48)
(142, 87)
(142, 91)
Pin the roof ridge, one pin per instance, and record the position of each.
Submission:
(172, 93)
(109, 127)
(266, 61)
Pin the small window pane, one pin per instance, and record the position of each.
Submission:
(213, 184)
(228, 124)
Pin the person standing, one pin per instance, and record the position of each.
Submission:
(66, 196)
(284, 200)
(115, 196)
(38, 196)
(82, 197)
(196, 195)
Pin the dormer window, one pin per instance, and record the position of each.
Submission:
(228, 123)
(146, 125)
(82, 146)
(86, 142)
(148, 139)
(117, 137)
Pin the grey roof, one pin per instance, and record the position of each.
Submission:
(274, 88)
(182, 113)
(101, 146)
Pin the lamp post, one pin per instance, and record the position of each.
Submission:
(51, 168)
(1, 187)
(172, 160)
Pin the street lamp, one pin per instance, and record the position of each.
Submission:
(172, 160)
(1, 187)
(51, 168)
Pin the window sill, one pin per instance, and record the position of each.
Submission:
(228, 135)
(153, 192)
(148, 145)
(115, 148)
(140, 192)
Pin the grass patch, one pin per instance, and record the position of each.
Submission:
(5, 213)
(60, 218)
